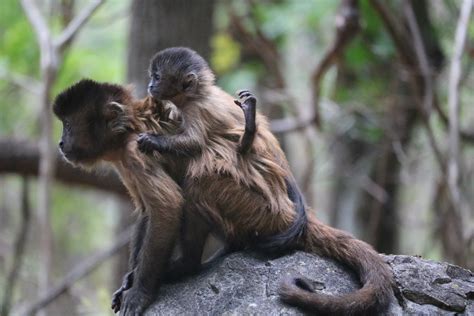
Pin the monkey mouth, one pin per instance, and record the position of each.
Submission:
(158, 95)
(77, 160)
(71, 159)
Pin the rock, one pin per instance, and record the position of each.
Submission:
(246, 284)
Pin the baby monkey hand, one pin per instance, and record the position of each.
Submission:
(147, 143)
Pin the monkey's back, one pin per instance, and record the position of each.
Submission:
(246, 194)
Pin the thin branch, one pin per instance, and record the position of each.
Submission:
(347, 27)
(68, 34)
(80, 271)
(260, 45)
(22, 157)
(290, 124)
(427, 74)
(453, 99)
(19, 251)
(24, 82)
(36, 20)
(467, 136)
(405, 54)
(49, 58)
(398, 37)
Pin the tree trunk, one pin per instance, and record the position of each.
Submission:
(158, 24)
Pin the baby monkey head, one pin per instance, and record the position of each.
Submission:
(94, 121)
(178, 73)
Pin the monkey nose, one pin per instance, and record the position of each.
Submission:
(61, 145)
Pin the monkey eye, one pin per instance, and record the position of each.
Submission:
(67, 125)
(156, 77)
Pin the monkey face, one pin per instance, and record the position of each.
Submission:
(82, 140)
(177, 72)
(163, 87)
(93, 126)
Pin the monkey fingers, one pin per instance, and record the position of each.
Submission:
(117, 296)
(240, 93)
(117, 300)
(147, 143)
(135, 302)
(248, 104)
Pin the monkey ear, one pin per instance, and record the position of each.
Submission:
(112, 110)
(190, 81)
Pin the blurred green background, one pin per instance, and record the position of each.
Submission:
(376, 164)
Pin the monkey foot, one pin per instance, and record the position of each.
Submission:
(247, 101)
(117, 300)
(248, 104)
(136, 302)
(118, 295)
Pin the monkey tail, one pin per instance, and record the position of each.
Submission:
(374, 274)
(288, 239)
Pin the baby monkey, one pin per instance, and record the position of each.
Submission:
(245, 196)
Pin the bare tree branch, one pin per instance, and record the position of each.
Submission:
(68, 34)
(51, 56)
(347, 27)
(24, 82)
(427, 74)
(290, 124)
(43, 35)
(80, 271)
(453, 100)
(467, 136)
(260, 45)
(49, 63)
(405, 52)
(19, 251)
(22, 157)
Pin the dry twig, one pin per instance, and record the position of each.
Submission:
(427, 92)
(80, 271)
(19, 250)
(347, 27)
(50, 58)
(453, 101)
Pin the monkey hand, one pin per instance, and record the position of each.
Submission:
(118, 295)
(136, 302)
(247, 101)
(117, 299)
(147, 143)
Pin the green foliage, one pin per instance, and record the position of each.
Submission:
(18, 46)
(226, 53)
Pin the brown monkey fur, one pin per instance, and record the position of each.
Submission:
(100, 123)
(245, 197)
(98, 127)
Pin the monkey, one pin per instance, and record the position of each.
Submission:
(99, 128)
(277, 243)
(245, 197)
(100, 123)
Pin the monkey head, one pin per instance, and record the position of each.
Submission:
(94, 120)
(178, 72)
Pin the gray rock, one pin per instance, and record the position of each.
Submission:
(246, 284)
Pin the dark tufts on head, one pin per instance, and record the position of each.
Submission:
(87, 93)
(179, 61)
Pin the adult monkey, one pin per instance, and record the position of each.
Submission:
(100, 123)
(250, 201)
(98, 127)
